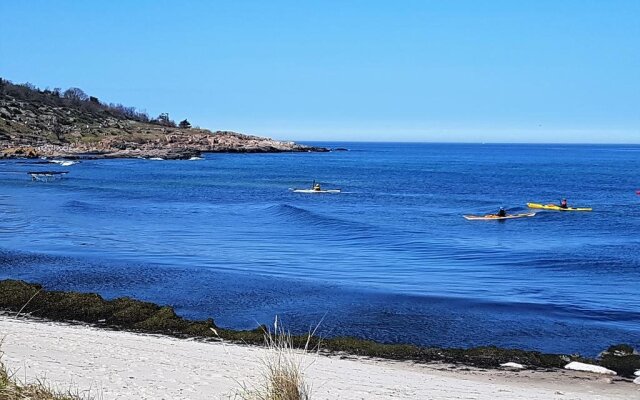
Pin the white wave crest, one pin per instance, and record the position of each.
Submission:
(64, 163)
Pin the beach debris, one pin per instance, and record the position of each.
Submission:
(578, 366)
(512, 365)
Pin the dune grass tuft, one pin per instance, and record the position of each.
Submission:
(282, 368)
(12, 389)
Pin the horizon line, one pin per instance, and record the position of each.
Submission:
(462, 142)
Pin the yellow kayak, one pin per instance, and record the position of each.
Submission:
(495, 217)
(555, 207)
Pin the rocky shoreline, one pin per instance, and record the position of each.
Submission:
(168, 145)
(133, 315)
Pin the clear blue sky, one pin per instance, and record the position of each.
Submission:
(505, 71)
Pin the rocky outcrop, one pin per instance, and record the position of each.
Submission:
(27, 152)
(173, 144)
(42, 124)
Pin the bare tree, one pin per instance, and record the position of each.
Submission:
(58, 131)
(29, 86)
(76, 95)
(164, 120)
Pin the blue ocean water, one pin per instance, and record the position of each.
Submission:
(390, 258)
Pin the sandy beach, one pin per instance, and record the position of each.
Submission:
(124, 365)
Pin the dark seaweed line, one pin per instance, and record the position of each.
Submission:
(144, 317)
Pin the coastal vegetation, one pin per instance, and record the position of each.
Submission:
(55, 123)
(12, 389)
(134, 315)
(282, 368)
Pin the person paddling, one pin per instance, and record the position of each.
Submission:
(502, 212)
(563, 203)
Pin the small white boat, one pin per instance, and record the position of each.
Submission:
(315, 188)
(46, 176)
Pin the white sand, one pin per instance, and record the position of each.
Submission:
(122, 365)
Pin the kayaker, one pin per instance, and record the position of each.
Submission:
(563, 203)
(502, 212)
(316, 187)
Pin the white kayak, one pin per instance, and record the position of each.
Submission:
(315, 191)
(495, 217)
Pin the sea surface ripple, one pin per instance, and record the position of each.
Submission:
(390, 258)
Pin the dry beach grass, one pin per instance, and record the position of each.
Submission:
(283, 368)
(282, 375)
(11, 388)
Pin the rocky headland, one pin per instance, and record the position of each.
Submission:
(71, 124)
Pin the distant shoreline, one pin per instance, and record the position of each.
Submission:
(178, 145)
